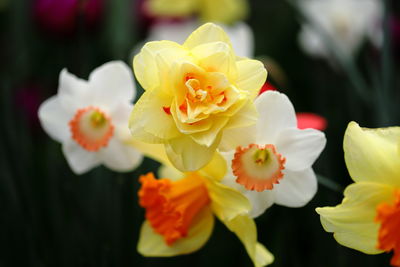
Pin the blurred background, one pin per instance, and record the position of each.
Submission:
(52, 217)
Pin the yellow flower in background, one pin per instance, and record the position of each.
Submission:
(193, 93)
(225, 11)
(368, 219)
(180, 209)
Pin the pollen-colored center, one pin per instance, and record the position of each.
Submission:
(388, 215)
(258, 167)
(171, 206)
(91, 128)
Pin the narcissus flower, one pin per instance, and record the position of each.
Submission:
(194, 93)
(368, 219)
(346, 22)
(273, 159)
(180, 213)
(225, 11)
(90, 118)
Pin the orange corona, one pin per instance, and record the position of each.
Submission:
(172, 205)
(91, 128)
(258, 167)
(388, 215)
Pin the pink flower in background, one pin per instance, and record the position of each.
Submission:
(267, 87)
(311, 120)
(62, 16)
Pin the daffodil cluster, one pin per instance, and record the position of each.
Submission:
(226, 151)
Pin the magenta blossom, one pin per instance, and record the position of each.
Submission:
(62, 16)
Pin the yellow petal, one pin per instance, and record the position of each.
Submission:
(152, 64)
(251, 76)
(372, 154)
(244, 117)
(225, 11)
(246, 230)
(187, 155)
(152, 244)
(207, 138)
(216, 168)
(352, 222)
(166, 171)
(172, 8)
(207, 33)
(226, 202)
(148, 118)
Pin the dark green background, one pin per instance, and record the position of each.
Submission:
(51, 217)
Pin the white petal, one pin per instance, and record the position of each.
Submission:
(54, 119)
(242, 39)
(300, 147)
(276, 113)
(260, 201)
(79, 159)
(72, 91)
(118, 156)
(296, 189)
(111, 84)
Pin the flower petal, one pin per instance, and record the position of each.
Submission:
(352, 222)
(111, 84)
(251, 76)
(72, 91)
(119, 156)
(226, 202)
(54, 119)
(260, 201)
(246, 230)
(372, 154)
(187, 155)
(79, 159)
(207, 33)
(300, 147)
(296, 188)
(154, 61)
(276, 113)
(148, 118)
(152, 244)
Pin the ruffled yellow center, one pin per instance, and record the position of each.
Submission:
(91, 128)
(171, 206)
(388, 215)
(258, 167)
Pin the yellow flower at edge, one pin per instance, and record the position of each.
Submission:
(224, 11)
(180, 208)
(368, 219)
(194, 94)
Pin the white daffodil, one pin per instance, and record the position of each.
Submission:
(240, 34)
(90, 118)
(346, 22)
(273, 159)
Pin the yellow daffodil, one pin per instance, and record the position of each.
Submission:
(180, 208)
(194, 93)
(225, 11)
(368, 219)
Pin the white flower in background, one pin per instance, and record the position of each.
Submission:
(90, 118)
(273, 159)
(347, 22)
(240, 34)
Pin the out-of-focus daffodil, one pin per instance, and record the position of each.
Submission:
(345, 22)
(90, 118)
(194, 93)
(368, 219)
(272, 161)
(180, 208)
(225, 11)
